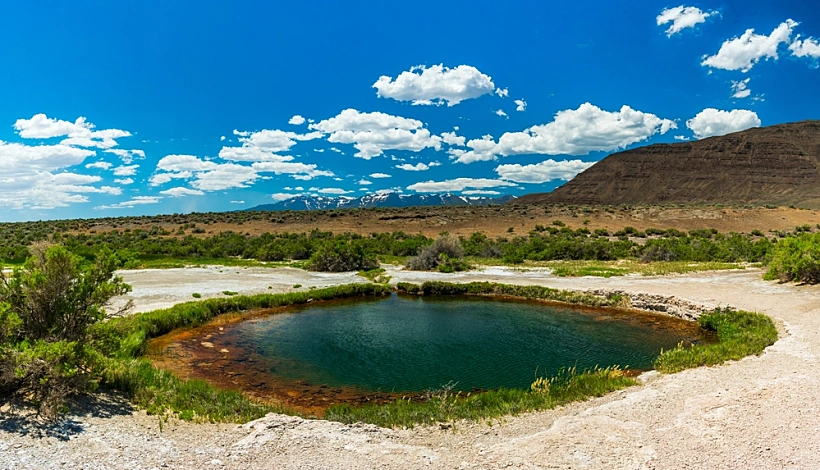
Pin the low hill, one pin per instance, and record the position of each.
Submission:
(379, 200)
(767, 165)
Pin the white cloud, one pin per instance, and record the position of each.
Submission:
(681, 137)
(711, 122)
(225, 176)
(500, 112)
(521, 105)
(296, 120)
(272, 140)
(127, 156)
(126, 170)
(335, 191)
(222, 138)
(380, 175)
(572, 132)
(740, 88)
(480, 192)
(364, 182)
(181, 192)
(502, 92)
(808, 47)
(237, 202)
(373, 133)
(548, 170)
(135, 201)
(458, 184)
(79, 133)
(681, 18)
(450, 138)
(743, 52)
(124, 181)
(435, 85)
(101, 165)
(417, 167)
(278, 197)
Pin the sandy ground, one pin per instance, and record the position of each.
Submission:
(760, 412)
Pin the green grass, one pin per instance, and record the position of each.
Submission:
(444, 406)
(740, 334)
(375, 275)
(624, 267)
(524, 292)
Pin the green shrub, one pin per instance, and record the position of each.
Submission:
(445, 254)
(196, 295)
(796, 258)
(343, 256)
(47, 309)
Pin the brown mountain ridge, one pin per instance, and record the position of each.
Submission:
(766, 165)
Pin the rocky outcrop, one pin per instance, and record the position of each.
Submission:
(767, 165)
(667, 304)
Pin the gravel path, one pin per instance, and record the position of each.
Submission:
(760, 412)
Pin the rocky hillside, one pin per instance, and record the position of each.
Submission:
(767, 165)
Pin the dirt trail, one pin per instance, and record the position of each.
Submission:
(760, 412)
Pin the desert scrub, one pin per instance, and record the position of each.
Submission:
(377, 275)
(796, 258)
(445, 255)
(342, 256)
(740, 334)
(446, 406)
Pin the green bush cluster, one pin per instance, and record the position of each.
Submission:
(796, 258)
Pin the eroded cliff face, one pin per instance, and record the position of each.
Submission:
(769, 165)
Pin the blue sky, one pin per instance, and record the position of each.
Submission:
(129, 108)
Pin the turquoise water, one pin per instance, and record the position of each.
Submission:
(411, 344)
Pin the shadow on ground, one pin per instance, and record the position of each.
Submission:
(22, 419)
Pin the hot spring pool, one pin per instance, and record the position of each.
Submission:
(331, 351)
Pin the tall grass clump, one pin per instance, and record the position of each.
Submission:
(447, 406)
(740, 334)
(445, 255)
(796, 258)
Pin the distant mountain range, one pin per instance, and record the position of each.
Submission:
(777, 165)
(307, 202)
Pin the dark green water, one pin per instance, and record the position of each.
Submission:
(409, 344)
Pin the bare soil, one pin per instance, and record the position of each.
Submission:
(757, 413)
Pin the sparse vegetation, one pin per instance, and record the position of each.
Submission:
(445, 255)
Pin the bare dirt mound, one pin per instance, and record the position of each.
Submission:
(768, 165)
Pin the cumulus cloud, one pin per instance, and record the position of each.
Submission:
(743, 52)
(373, 133)
(808, 47)
(681, 137)
(502, 92)
(572, 132)
(500, 112)
(124, 181)
(521, 105)
(458, 184)
(364, 182)
(740, 88)
(682, 17)
(296, 120)
(127, 156)
(548, 170)
(135, 201)
(380, 175)
(450, 138)
(417, 167)
(181, 192)
(435, 85)
(79, 133)
(123, 170)
(480, 192)
(712, 122)
(237, 202)
(101, 165)
(279, 197)
(333, 191)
